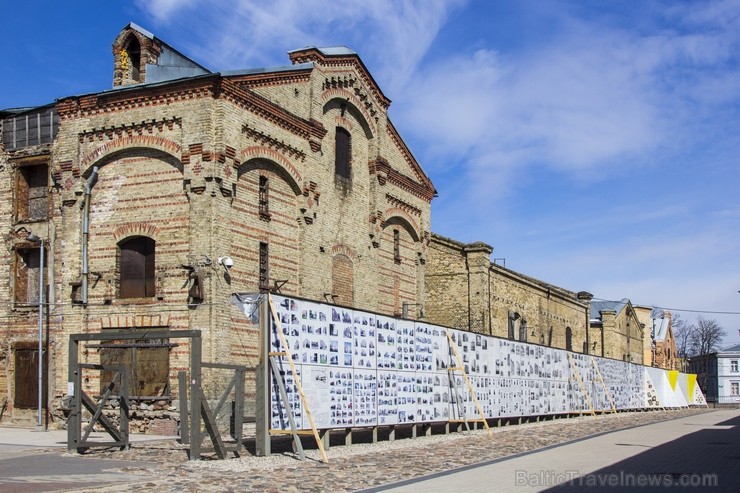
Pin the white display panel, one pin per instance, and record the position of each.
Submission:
(360, 369)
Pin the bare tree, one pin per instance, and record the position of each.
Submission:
(705, 338)
(682, 332)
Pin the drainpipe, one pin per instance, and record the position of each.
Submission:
(91, 181)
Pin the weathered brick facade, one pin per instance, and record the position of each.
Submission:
(295, 174)
(209, 166)
(617, 332)
(464, 289)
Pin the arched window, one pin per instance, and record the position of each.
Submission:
(343, 153)
(568, 339)
(133, 53)
(137, 267)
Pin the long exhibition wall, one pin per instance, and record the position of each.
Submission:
(360, 369)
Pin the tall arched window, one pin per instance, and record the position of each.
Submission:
(568, 339)
(137, 267)
(342, 155)
(133, 53)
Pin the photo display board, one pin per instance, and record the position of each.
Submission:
(359, 369)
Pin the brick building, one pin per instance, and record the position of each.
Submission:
(617, 331)
(464, 289)
(158, 199)
(665, 354)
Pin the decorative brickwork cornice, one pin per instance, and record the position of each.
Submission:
(249, 81)
(412, 162)
(400, 204)
(138, 96)
(385, 173)
(267, 141)
(129, 129)
(212, 86)
(336, 61)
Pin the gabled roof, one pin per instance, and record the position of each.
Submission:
(171, 64)
(340, 55)
(660, 328)
(732, 349)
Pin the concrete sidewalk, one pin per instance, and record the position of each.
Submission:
(24, 438)
(696, 453)
(27, 464)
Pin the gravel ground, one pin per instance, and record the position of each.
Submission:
(361, 465)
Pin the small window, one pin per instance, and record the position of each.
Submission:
(264, 198)
(27, 264)
(137, 267)
(568, 339)
(733, 366)
(735, 388)
(264, 274)
(32, 192)
(396, 246)
(343, 153)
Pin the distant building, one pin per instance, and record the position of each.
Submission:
(616, 331)
(665, 353)
(718, 375)
(464, 289)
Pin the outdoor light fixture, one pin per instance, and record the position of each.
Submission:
(35, 239)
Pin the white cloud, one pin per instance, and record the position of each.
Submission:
(235, 34)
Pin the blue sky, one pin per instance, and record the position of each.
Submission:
(595, 145)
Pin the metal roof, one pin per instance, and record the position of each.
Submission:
(599, 306)
(268, 70)
(329, 50)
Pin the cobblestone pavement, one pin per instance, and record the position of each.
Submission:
(355, 467)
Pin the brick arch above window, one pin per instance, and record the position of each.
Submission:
(336, 98)
(282, 169)
(105, 153)
(395, 218)
(264, 158)
(135, 229)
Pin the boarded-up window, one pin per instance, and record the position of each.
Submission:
(27, 264)
(148, 368)
(342, 278)
(264, 267)
(27, 378)
(342, 153)
(137, 267)
(32, 192)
